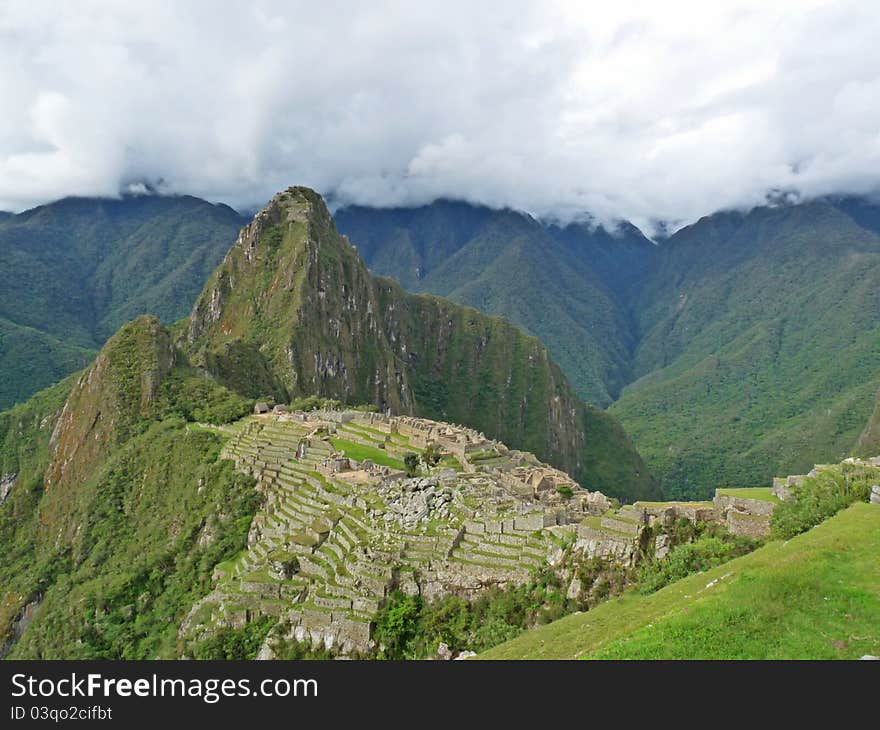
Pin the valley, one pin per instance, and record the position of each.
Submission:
(742, 346)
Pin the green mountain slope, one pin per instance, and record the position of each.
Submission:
(294, 311)
(73, 271)
(743, 346)
(869, 438)
(31, 359)
(116, 510)
(816, 595)
(568, 286)
(760, 351)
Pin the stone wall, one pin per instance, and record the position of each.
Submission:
(594, 543)
(724, 502)
(748, 525)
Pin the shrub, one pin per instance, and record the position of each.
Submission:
(431, 455)
(411, 462)
(229, 643)
(821, 497)
(692, 557)
(396, 624)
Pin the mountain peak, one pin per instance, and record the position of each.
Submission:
(293, 311)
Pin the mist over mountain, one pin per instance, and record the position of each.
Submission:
(626, 111)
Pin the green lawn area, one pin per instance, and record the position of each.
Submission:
(367, 429)
(360, 452)
(762, 493)
(451, 462)
(816, 596)
(675, 504)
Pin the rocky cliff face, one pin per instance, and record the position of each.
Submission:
(293, 311)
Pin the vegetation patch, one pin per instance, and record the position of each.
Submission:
(761, 493)
(822, 496)
(362, 452)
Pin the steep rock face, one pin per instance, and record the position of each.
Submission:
(570, 286)
(293, 310)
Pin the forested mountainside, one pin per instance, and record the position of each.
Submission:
(742, 346)
(570, 286)
(761, 346)
(73, 271)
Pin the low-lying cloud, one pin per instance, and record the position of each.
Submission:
(645, 111)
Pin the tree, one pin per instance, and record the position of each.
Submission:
(396, 624)
(411, 462)
(432, 455)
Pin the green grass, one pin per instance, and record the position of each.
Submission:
(762, 493)
(361, 452)
(816, 596)
(677, 504)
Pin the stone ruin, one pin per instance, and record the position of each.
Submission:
(336, 535)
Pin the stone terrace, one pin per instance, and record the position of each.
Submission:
(335, 535)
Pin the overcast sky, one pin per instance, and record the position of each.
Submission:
(639, 110)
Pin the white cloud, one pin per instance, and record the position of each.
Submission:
(640, 110)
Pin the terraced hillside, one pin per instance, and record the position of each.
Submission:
(336, 534)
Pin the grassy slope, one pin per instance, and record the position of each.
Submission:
(816, 596)
(73, 271)
(762, 493)
(362, 452)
